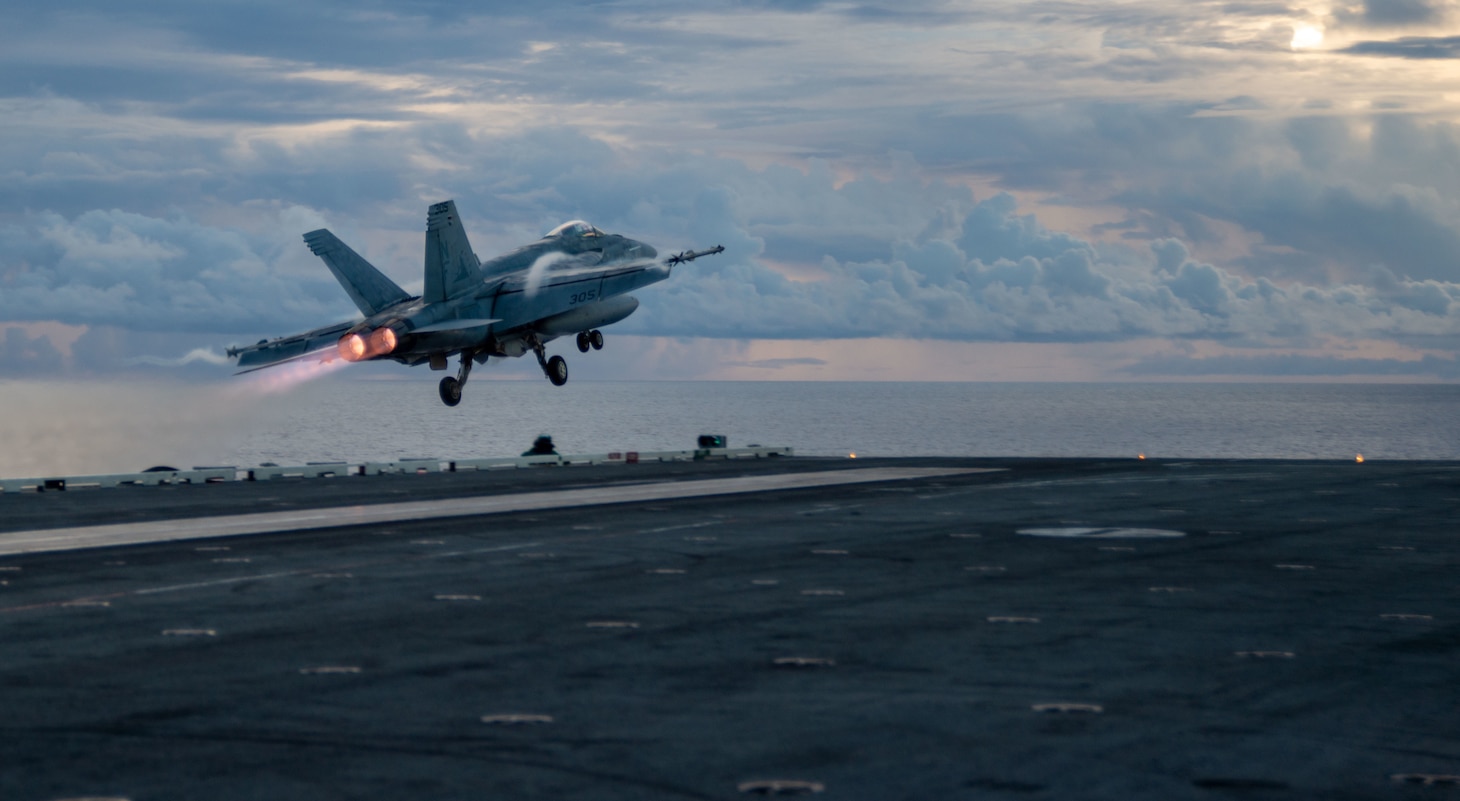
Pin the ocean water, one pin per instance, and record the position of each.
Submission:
(356, 420)
(49, 428)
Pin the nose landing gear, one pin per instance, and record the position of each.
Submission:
(590, 339)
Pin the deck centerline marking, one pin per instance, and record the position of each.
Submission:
(84, 537)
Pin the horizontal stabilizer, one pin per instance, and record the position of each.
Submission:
(321, 355)
(321, 343)
(367, 286)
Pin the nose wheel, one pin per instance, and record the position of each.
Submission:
(590, 339)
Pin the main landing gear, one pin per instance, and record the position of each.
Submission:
(450, 388)
(556, 368)
(590, 339)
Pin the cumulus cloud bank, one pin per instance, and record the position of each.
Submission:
(987, 273)
(1001, 172)
(110, 267)
(1006, 278)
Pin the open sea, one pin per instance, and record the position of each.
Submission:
(90, 427)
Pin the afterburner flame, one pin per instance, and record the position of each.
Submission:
(382, 341)
(353, 348)
(363, 345)
(288, 376)
(1359, 458)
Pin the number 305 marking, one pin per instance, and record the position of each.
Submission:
(583, 297)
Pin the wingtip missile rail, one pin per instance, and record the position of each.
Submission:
(691, 255)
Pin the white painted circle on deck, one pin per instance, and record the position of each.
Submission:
(1104, 533)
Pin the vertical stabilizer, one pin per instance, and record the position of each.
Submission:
(451, 266)
(367, 286)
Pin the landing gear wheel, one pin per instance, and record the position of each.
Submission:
(595, 338)
(557, 371)
(584, 342)
(450, 391)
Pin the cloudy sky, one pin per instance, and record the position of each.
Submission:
(1047, 190)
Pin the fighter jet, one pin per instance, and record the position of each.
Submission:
(572, 282)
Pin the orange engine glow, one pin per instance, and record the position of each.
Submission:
(1359, 458)
(353, 348)
(382, 341)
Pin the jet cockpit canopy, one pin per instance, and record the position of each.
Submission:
(574, 228)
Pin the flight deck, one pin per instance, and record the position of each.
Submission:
(868, 629)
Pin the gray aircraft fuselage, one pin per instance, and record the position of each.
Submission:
(572, 281)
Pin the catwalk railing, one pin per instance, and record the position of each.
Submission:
(269, 472)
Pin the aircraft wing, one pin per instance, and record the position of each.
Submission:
(453, 325)
(321, 344)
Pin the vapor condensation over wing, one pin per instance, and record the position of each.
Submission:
(561, 265)
(539, 268)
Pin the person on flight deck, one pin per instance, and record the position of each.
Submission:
(542, 446)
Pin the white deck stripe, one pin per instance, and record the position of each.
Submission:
(70, 539)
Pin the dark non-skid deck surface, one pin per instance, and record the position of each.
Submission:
(1300, 641)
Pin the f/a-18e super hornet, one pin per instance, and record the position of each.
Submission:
(571, 282)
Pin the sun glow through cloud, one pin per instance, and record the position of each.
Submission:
(1306, 37)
